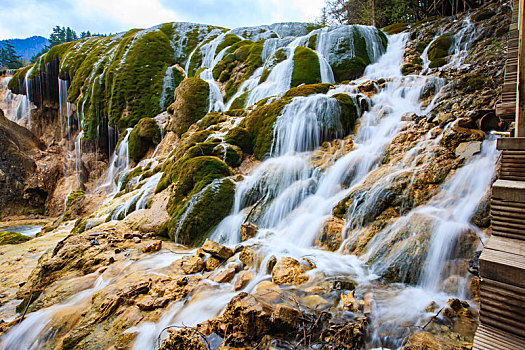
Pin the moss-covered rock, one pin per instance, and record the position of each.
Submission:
(17, 81)
(278, 57)
(240, 137)
(231, 155)
(306, 68)
(194, 221)
(191, 104)
(12, 238)
(211, 119)
(306, 90)
(438, 50)
(229, 40)
(483, 15)
(145, 134)
(395, 28)
(349, 112)
(410, 68)
(259, 124)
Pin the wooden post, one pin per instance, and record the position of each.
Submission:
(520, 101)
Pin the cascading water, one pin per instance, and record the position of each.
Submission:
(119, 164)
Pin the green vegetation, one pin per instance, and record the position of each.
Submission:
(395, 28)
(349, 112)
(210, 119)
(312, 42)
(194, 221)
(232, 155)
(439, 50)
(239, 63)
(306, 90)
(12, 238)
(229, 40)
(16, 82)
(8, 57)
(240, 137)
(240, 102)
(278, 57)
(145, 134)
(305, 67)
(351, 68)
(191, 104)
(177, 76)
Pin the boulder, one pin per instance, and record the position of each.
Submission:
(212, 263)
(286, 317)
(330, 237)
(193, 265)
(191, 104)
(289, 271)
(243, 278)
(271, 263)
(248, 230)
(153, 247)
(268, 291)
(247, 256)
(468, 149)
(217, 250)
(225, 276)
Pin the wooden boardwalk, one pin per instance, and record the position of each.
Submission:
(502, 263)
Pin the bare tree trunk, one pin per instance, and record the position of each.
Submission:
(373, 12)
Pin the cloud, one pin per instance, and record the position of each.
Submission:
(23, 18)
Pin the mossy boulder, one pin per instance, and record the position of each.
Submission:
(240, 137)
(259, 124)
(305, 67)
(231, 155)
(349, 112)
(12, 238)
(195, 220)
(191, 104)
(229, 40)
(278, 57)
(306, 90)
(145, 134)
(439, 50)
(395, 28)
(211, 119)
(483, 15)
(240, 62)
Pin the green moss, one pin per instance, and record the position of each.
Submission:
(191, 104)
(422, 45)
(351, 68)
(144, 135)
(241, 61)
(194, 222)
(438, 62)
(16, 82)
(306, 90)
(306, 68)
(395, 28)
(440, 47)
(259, 124)
(229, 154)
(278, 57)
(12, 238)
(210, 119)
(57, 52)
(384, 39)
(177, 77)
(196, 58)
(410, 68)
(312, 42)
(349, 113)
(471, 82)
(135, 172)
(240, 102)
(229, 40)
(240, 137)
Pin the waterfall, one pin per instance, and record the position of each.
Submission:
(117, 170)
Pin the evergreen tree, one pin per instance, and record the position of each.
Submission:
(8, 57)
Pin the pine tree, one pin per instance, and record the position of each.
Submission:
(8, 57)
(58, 36)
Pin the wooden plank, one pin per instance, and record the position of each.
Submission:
(490, 338)
(507, 215)
(507, 229)
(509, 220)
(503, 266)
(512, 246)
(502, 322)
(520, 106)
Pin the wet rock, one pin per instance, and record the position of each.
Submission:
(212, 263)
(153, 247)
(225, 276)
(243, 278)
(193, 265)
(136, 239)
(331, 234)
(268, 291)
(247, 256)
(349, 302)
(288, 271)
(271, 263)
(316, 302)
(217, 249)
(248, 230)
(426, 341)
(468, 149)
(286, 317)
(149, 303)
(340, 284)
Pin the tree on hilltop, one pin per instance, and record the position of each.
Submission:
(8, 57)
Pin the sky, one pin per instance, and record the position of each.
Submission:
(25, 18)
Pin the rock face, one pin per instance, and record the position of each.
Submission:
(331, 234)
(248, 230)
(20, 185)
(289, 271)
